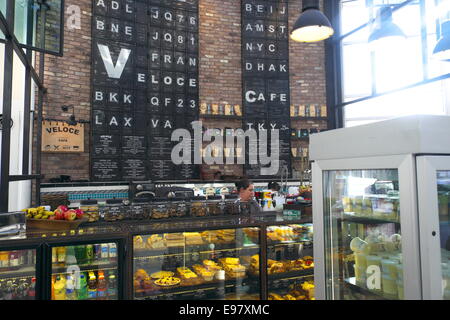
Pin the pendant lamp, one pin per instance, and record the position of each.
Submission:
(385, 27)
(312, 25)
(442, 49)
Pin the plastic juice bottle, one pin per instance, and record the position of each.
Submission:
(60, 288)
(61, 255)
(32, 289)
(101, 286)
(89, 254)
(83, 290)
(92, 286)
(105, 251)
(112, 284)
(70, 289)
(70, 256)
(80, 254)
(112, 250)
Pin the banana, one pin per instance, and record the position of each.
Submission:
(38, 216)
(44, 217)
(49, 213)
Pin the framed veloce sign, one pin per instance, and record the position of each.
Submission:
(265, 66)
(59, 136)
(144, 86)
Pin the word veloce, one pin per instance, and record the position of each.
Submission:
(144, 86)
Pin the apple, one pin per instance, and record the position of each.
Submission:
(63, 208)
(53, 217)
(70, 215)
(79, 213)
(59, 215)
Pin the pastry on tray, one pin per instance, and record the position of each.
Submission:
(161, 274)
(168, 281)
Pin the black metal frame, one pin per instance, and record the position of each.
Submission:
(333, 56)
(12, 46)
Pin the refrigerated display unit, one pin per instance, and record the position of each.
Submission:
(380, 210)
(223, 259)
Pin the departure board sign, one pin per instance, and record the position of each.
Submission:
(265, 73)
(144, 86)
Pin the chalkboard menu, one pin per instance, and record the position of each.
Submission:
(265, 65)
(144, 86)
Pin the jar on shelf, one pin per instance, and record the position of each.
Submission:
(198, 206)
(231, 205)
(160, 208)
(179, 207)
(90, 209)
(213, 205)
(113, 210)
(140, 209)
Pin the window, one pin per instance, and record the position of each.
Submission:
(385, 79)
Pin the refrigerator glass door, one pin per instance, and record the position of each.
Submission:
(18, 274)
(443, 187)
(363, 248)
(434, 200)
(85, 272)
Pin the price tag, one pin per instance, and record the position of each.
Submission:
(221, 292)
(195, 257)
(168, 296)
(179, 258)
(276, 284)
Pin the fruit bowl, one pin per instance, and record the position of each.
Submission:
(59, 225)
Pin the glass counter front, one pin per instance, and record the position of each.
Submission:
(212, 264)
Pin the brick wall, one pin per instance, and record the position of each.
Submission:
(68, 78)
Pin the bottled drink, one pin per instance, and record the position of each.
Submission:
(60, 288)
(22, 289)
(112, 250)
(70, 256)
(83, 290)
(2, 289)
(9, 290)
(80, 254)
(4, 259)
(61, 255)
(98, 251)
(89, 254)
(112, 284)
(92, 286)
(70, 289)
(54, 256)
(105, 251)
(101, 286)
(32, 289)
(14, 258)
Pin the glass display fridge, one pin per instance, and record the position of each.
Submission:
(19, 274)
(380, 210)
(85, 271)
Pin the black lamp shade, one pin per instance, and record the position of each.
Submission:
(442, 48)
(312, 25)
(385, 27)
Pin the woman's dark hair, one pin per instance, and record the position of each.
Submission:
(274, 186)
(244, 183)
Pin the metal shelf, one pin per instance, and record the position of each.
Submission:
(366, 220)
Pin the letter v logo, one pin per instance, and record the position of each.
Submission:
(114, 71)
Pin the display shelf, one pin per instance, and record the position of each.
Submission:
(11, 273)
(196, 290)
(291, 275)
(200, 249)
(103, 265)
(350, 217)
(220, 116)
(351, 284)
(308, 118)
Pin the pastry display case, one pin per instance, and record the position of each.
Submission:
(380, 211)
(209, 264)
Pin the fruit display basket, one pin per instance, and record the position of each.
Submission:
(57, 225)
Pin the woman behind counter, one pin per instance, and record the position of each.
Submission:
(246, 199)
